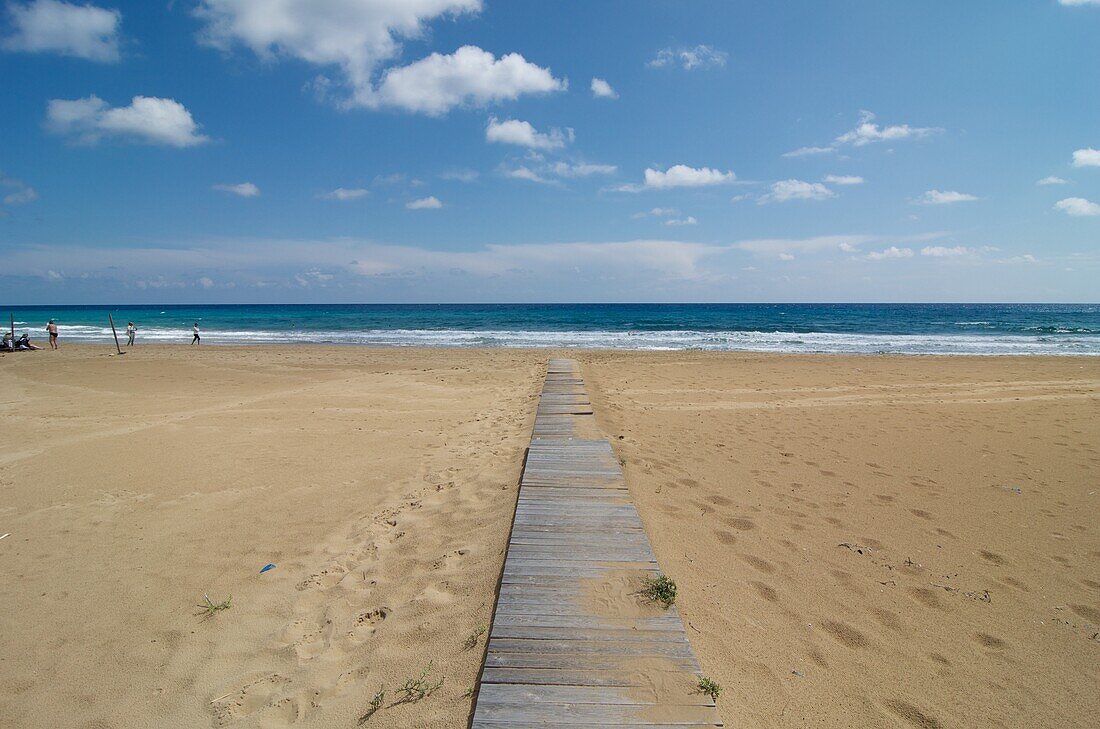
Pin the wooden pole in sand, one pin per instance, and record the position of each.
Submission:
(114, 331)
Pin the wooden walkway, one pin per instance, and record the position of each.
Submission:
(558, 655)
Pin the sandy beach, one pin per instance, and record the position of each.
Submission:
(858, 541)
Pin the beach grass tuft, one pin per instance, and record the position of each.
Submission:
(375, 704)
(210, 608)
(416, 689)
(660, 589)
(710, 687)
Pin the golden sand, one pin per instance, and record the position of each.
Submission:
(873, 541)
(868, 541)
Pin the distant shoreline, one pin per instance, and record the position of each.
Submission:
(109, 349)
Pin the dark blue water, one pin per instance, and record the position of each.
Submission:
(839, 328)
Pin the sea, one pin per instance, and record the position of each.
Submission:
(951, 329)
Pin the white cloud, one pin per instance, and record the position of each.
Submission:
(459, 175)
(776, 246)
(582, 169)
(809, 151)
(868, 132)
(313, 277)
(701, 56)
(243, 189)
(424, 203)
(20, 194)
(684, 176)
(655, 267)
(1088, 157)
(945, 252)
(526, 173)
(844, 180)
(689, 220)
(1078, 3)
(206, 282)
(470, 77)
(944, 197)
(786, 190)
(786, 257)
(1078, 207)
(344, 194)
(602, 90)
(521, 133)
(1052, 180)
(352, 35)
(147, 119)
(891, 252)
(51, 26)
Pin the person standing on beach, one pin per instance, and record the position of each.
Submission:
(52, 329)
(131, 330)
(195, 332)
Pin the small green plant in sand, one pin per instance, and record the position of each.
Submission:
(474, 637)
(710, 687)
(375, 704)
(660, 589)
(210, 608)
(416, 689)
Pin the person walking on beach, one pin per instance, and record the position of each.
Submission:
(131, 330)
(195, 332)
(52, 329)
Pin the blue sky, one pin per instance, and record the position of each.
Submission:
(472, 150)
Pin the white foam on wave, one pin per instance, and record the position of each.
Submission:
(733, 341)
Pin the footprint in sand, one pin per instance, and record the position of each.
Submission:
(725, 537)
(308, 638)
(926, 597)
(990, 641)
(913, 715)
(265, 696)
(765, 591)
(366, 623)
(992, 557)
(845, 634)
(760, 564)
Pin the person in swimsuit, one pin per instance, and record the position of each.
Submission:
(52, 329)
(131, 330)
(195, 332)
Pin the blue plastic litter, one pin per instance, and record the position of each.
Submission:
(267, 567)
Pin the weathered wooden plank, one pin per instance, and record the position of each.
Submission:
(505, 724)
(607, 647)
(608, 695)
(586, 621)
(541, 714)
(586, 634)
(573, 677)
(579, 661)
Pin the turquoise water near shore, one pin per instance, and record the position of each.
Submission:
(1059, 329)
